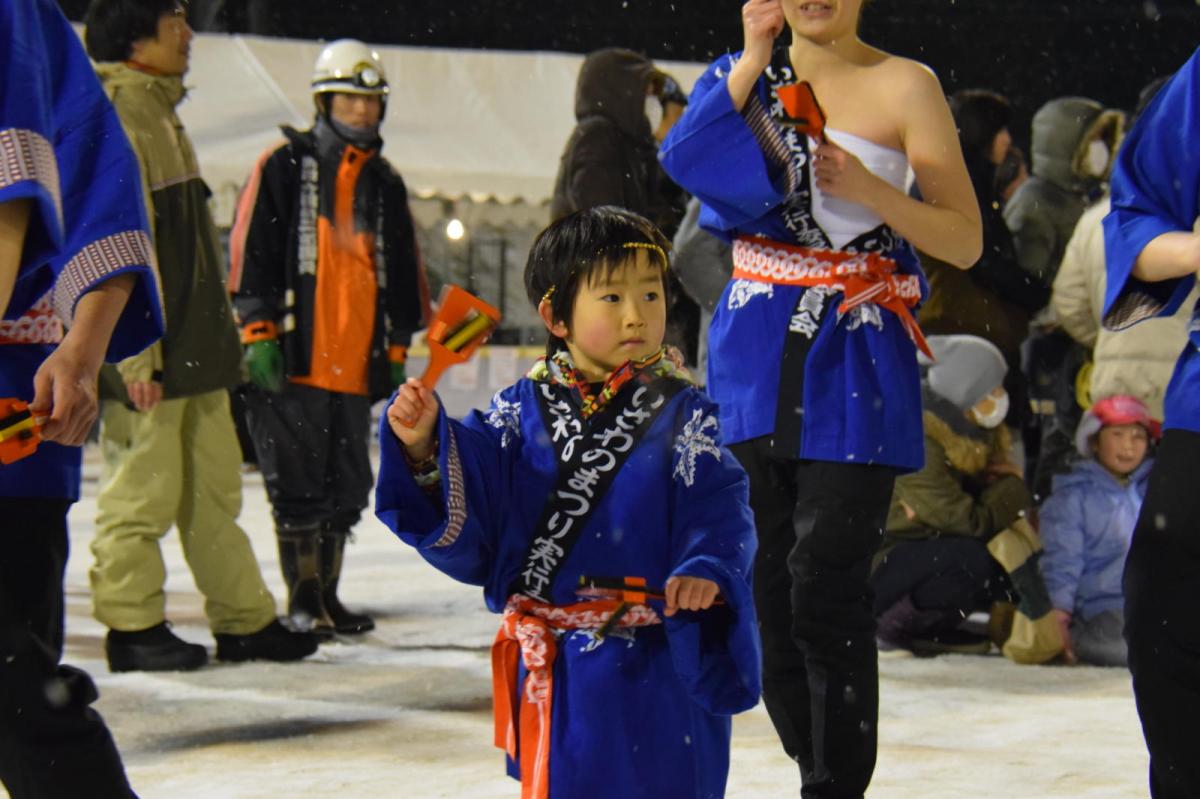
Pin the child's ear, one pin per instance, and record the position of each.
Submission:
(557, 327)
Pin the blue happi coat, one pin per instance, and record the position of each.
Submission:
(853, 395)
(647, 712)
(1156, 190)
(63, 149)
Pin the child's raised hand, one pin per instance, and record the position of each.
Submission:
(689, 593)
(412, 416)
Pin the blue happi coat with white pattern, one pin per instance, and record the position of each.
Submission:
(645, 713)
(850, 391)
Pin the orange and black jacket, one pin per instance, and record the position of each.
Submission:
(323, 249)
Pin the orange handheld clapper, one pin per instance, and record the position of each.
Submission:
(802, 109)
(20, 429)
(626, 589)
(463, 323)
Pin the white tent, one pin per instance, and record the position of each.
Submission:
(480, 124)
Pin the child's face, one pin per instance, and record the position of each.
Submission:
(617, 318)
(1121, 448)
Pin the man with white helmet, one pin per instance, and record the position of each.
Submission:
(328, 286)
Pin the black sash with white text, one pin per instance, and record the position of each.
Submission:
(589, 455)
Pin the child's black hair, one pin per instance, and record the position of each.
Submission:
(571, 250)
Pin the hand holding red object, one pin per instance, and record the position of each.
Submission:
(20, 430)
(802, 109)
(462, 324)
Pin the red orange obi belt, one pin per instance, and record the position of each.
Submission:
(527, 634)
(862, 277)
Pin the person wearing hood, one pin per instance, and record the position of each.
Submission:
(1087, 524)
(170, 449)
(1137, 361)
(624, 108)
(329, 287)
(1074, 142)
(934, 568)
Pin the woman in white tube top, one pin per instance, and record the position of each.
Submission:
(812, 347)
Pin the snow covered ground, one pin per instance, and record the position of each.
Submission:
(405, 712)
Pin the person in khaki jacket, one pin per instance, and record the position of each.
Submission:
(935, 566)
(169, 445)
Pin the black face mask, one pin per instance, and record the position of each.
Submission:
(362, 138)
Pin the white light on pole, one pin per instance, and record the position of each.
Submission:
(455, 230)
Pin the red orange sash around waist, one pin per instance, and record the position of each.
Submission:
(862, 277)
(527, 632)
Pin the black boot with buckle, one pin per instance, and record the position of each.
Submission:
(333, 545)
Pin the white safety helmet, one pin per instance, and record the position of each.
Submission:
(351, 67)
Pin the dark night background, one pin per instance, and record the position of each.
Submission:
(1030, 50)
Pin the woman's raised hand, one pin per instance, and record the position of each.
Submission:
(762, 22)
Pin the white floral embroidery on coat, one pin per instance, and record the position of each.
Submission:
(505, 416)
(865, 314)
(694, 442)
(742, 291)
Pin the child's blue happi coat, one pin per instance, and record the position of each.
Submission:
(646, 713)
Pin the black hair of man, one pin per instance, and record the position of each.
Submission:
(112, 26)
(979, 115)
(568, 252)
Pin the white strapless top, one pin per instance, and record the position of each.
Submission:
(845, 221)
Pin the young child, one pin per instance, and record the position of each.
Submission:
(603, 462)
(1087, 525)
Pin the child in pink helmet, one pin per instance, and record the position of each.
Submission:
(1087, 524)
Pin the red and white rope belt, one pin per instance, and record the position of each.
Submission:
(862, 277)
(527, 633)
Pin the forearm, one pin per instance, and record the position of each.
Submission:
(96, 317)
(742, 79)
(14, 221)
(949, 235)
(1169, 256)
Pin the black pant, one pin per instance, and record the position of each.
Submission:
(312, 450)
(951, 573)
(818, 525)
(52, 744)
(1162, 583)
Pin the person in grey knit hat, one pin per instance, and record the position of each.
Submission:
(934, 568)
(969, 373)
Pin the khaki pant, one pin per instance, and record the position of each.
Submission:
(178, 464)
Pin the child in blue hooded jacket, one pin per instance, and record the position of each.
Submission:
(1087, 525)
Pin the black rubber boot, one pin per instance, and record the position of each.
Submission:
(333, 546)
(299, 560)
